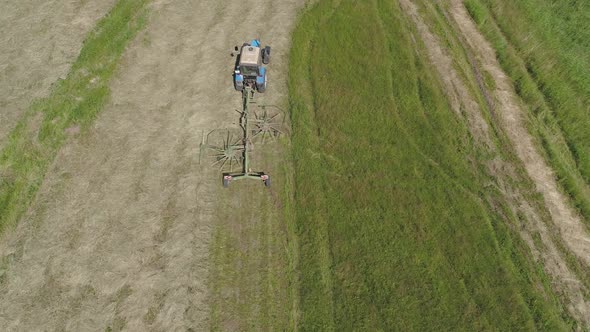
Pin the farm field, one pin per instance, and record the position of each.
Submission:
(111, 224)
(400, 215)
(40, 41)
(544, 47)
(431, 173)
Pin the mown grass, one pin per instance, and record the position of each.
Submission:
(252, 270)
(544, 46)
(397, 229)
(72, 105)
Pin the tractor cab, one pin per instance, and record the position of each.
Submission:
(250, 70)
(250, 61)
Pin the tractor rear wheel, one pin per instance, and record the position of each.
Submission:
(239, 86)
(267, 182)
(261, 87)
(225, 183)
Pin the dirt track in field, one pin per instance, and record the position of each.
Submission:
(512, 116)
(119, 234)
(510, 113)
(39, 42)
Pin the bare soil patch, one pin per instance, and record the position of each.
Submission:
(120, 232)
(40, 41)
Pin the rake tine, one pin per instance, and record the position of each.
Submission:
(217, 161)
(237, 160)
(223, 164)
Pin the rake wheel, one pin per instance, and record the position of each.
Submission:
(230, 154)
(266, 125)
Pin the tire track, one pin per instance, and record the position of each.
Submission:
(512, 119)
(462, 102)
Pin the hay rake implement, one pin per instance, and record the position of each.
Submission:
(249, 77)
(231, 152)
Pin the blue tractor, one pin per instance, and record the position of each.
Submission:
(250, 71)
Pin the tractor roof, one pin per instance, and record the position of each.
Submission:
(250, 56)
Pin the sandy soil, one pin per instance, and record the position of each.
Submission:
(463, 103)
(119, 234)
(40, 41)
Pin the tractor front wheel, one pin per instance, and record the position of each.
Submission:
(261, 87)
(266, 55)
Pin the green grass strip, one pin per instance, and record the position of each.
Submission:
(74, 101)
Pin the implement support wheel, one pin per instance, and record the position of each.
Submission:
(267, 181)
